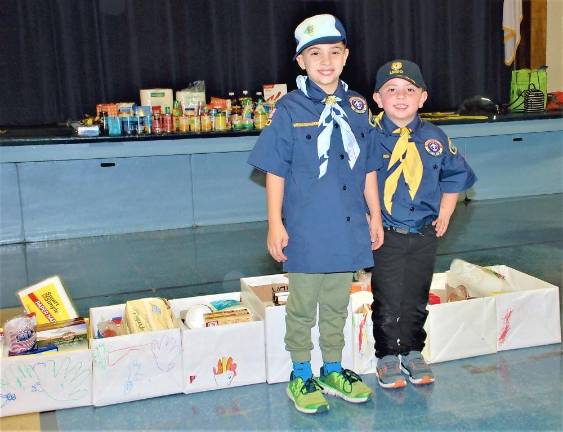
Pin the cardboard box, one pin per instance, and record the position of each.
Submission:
(526, 316)
(45, 382)
(529, 315)
(157, 97)
(459, 329)
(134, 366)
(274, 92)
(363, 350)
(256, 292)
(222, 356)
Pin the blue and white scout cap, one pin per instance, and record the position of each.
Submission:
(399, 69)
(318, 29)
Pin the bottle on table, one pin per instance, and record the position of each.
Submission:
(231, 102)
(176, 115)
(247, 111)
(167, 124)
(156, 120)
(260, 114)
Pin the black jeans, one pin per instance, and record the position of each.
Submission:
(400, 281)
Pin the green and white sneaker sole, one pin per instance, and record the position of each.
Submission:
(319, 409)
(331, 391)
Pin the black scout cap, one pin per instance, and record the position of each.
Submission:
(399, 69)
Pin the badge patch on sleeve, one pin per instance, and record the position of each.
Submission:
(358, 104)
(270, 115)
(433, 147)
(452, 147)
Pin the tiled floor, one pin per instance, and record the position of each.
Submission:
(513, 390)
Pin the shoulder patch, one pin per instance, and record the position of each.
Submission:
(358, 104)
(433, 147)
(270, 115)
(452, 147)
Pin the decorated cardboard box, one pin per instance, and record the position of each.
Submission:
(45, 382)
(529, 314)
(257, 293)
(134, 366)
(363, 350)
(459, 329)
(220, 356)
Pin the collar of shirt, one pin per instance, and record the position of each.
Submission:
(388, 127)
(317, 94)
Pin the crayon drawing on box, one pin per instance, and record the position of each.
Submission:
(225, 372)
(139, 363)
(505, 330)
(60, 380)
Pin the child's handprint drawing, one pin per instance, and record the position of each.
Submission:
(63, 380)
(225, 372)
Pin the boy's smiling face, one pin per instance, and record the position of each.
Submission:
(401, 100)
(324, 64)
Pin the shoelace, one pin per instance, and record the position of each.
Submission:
(350, 378)
(391, 366)
(309, 386)
(418, 363)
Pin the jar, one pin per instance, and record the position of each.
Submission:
(206, 124)
(221, 122)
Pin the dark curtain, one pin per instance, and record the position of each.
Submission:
(61, 57)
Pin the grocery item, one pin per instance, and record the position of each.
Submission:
(193, 316)
(227, 317)
(48, 300)
(157, 97)
(20, 334)
(65, 335)
(280, 293)
(148, 314)
(479, 281)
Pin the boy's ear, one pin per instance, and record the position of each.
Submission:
(377, 99)
(300, 61)
(423, 98)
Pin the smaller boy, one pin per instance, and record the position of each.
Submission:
(419, 184)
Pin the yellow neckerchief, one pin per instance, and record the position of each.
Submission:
(410, 165)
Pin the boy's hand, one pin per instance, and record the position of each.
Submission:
(277, 241)
(376, 232)
(447, 207)
(441, 224)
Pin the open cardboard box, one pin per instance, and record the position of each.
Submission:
(526, 316)
(45, 382)
(221, 356)
(134, 366)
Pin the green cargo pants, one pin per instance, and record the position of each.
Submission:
(331, 292)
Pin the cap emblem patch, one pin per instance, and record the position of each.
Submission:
(396, 67)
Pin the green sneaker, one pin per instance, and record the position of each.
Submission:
(345, 384)
(306, 395)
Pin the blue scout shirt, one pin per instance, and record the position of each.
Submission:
(325, 217)
(444, 170)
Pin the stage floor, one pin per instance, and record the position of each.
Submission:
(512, 390)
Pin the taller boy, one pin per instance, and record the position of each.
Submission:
(319, 179)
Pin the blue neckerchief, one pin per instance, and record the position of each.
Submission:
(332, 112)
